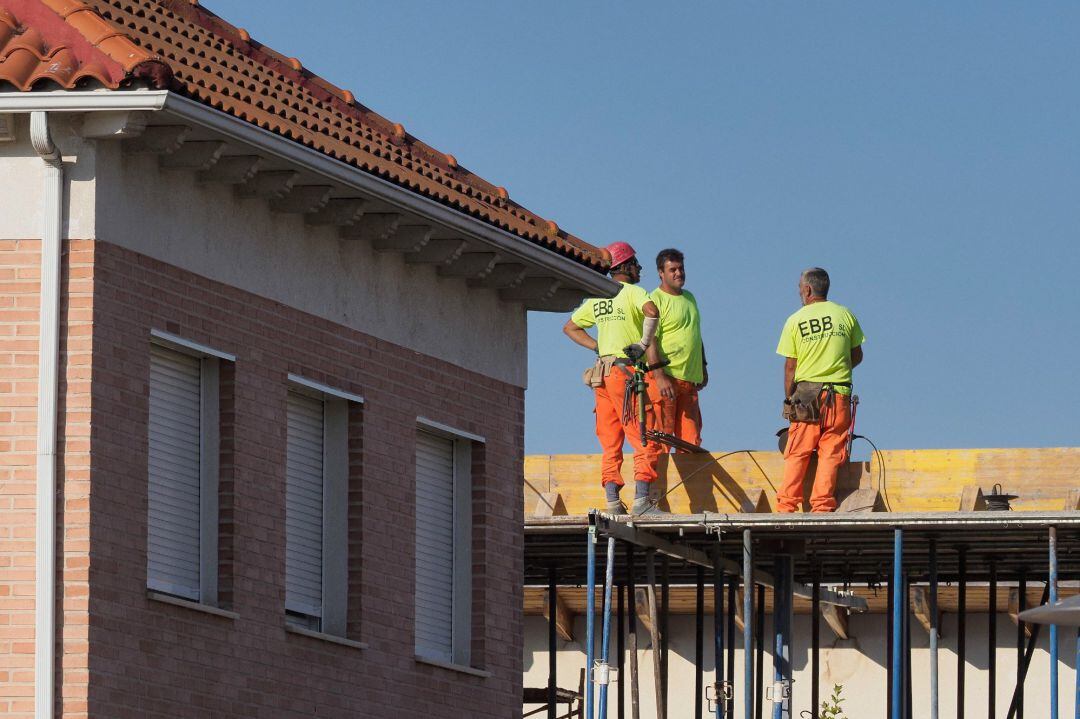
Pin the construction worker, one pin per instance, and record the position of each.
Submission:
(624, 322)
(679, 341)
(822, 343)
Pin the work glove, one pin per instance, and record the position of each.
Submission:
(635, 351)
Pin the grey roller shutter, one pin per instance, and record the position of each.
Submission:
(434, 546)
(304, 506)
(174, 473)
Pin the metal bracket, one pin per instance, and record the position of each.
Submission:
(603, 674)
(778, 691)
(716, 692)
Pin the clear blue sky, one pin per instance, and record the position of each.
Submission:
(925, 153)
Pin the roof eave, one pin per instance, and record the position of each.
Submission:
(568, 274)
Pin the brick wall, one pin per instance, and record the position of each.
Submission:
(149, 659)
(19, 307)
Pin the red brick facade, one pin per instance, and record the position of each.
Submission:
(126, 655)
(19, 307)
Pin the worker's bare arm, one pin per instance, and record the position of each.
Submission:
(704, 369)
(579, 336)
(789, 375)
(649, 309)
(856, 356)
(663, 382)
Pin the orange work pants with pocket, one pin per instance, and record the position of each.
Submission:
(611, 431)
(681, 414)
(829, 437)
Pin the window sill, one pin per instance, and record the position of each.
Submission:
(454, 667)
(188, 604)
(332, 638)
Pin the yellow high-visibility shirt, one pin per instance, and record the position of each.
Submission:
(679, 334)
(820, 337)
(618, 319)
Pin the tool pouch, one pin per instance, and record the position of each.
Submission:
(594, 376)
(804, 405)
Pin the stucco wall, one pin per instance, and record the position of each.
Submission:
(859, 664)
(21, 177)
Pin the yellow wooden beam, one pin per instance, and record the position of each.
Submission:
(914, 480)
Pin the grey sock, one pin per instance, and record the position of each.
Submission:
(611, 491)
(641, 489)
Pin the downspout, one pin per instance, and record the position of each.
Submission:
(48, 370)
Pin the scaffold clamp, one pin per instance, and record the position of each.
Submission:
(778, 691)
(603, 673)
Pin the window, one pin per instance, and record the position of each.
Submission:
(182, 469)
(443, 543)
(316, 507)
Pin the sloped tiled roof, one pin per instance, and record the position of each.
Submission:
(181, 46)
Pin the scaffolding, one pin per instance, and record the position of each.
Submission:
(820, 558)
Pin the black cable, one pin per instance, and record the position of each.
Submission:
(711, 462)
(881, 470)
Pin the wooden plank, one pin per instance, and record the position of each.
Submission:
(564, 616)
(837, 619)
(641, 610)
(654, 634)
(1014, 609)
(920, 607)
(682, 600)
(550, 504)
(740, 617)
(866, 499)
(972, 499)
(915, 480)
(756, 502)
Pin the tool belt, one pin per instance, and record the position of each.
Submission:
(594, 376)
(809, 398)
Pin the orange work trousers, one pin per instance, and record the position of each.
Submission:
(681, 415)
(829, 438)
(611, 431)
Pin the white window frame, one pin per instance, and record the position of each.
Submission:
(461, 590)
(209, 463)
(335, 517)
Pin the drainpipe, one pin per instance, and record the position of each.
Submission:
(48, 364)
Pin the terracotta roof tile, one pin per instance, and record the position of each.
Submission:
(180, 45)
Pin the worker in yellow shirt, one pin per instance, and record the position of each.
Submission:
(679, 341)
(822, 343)
(626, 321)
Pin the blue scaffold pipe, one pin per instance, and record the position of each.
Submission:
(782, 604)
(590, 622)
(897, 689)
(1053, 627)
(605, 634)
(748, 623)
(718, 631)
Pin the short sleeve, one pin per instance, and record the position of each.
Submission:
(786, 346)
(857, 336)
(639, 297)
(583, 316)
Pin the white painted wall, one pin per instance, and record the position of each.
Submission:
(21, 172)
(127, 200)
(859, 664)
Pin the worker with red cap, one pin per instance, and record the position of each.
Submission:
(625, 325)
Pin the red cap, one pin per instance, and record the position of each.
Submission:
(620, 252)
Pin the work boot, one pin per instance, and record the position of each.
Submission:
(646, 507)
(616, 507)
